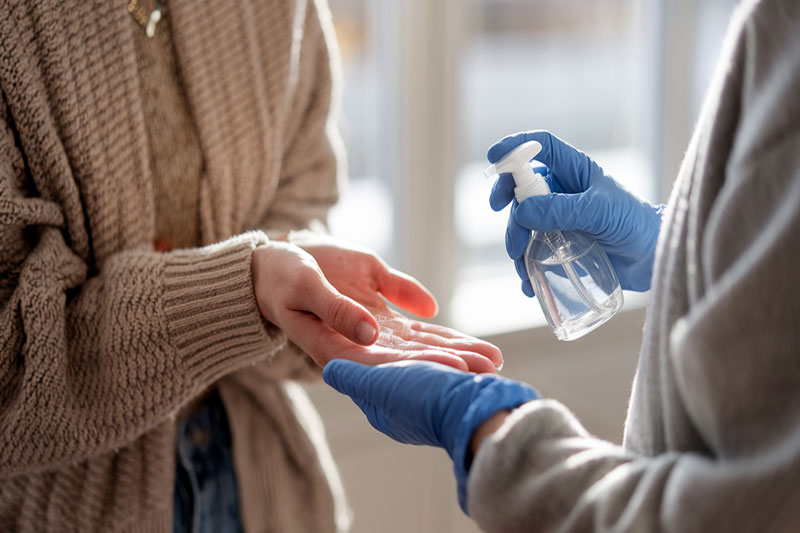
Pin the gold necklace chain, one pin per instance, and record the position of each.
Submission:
(145, 20)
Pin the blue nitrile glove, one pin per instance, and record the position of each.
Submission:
(419, 402)
(583, 199)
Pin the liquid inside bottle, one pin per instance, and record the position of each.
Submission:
(574, 282)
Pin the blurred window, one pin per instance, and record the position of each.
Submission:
(591, 71)
(366, 195)
(575, 68)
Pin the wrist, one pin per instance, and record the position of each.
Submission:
(487, 428)
(491, 395)
(262, 265)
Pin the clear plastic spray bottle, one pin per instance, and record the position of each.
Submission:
(571, 275)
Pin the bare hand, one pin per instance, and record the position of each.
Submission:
(361, 275)
(293, 294)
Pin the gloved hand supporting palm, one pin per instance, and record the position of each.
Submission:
(585, 199)
(421, 402)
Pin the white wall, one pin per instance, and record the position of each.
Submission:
(397, 488)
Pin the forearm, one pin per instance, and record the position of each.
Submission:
(90, 364)
(543, 472)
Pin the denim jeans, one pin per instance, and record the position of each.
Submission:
(205, 497)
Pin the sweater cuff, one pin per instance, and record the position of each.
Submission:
(511, 452)
(498, 396)
(213, 318)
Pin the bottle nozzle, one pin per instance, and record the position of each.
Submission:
(490, 173)
(517, 162)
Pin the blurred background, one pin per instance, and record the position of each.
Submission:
(428, 87)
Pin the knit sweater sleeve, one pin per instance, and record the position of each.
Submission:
(312, 160)
(734, 354)
(91, 359)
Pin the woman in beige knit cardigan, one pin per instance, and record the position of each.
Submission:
(140, 179)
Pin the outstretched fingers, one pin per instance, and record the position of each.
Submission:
(378, 355)
(323, 344)
(457, 342)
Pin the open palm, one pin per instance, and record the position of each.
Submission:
(361, 275)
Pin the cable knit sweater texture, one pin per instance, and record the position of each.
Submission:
(176, 157)
(102, 339)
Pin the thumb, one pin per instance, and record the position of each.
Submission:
(341, 313)
(370, 389)
(558, 211)
(344, 375)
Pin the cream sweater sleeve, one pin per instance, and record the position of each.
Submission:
(89, 360)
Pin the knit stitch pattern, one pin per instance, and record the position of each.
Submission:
(103, 339)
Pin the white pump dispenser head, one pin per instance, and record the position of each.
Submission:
(517, 162)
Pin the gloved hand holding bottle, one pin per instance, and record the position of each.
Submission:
(420, 402)
(583, 198)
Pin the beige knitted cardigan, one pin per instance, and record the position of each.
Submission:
(102, 339)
